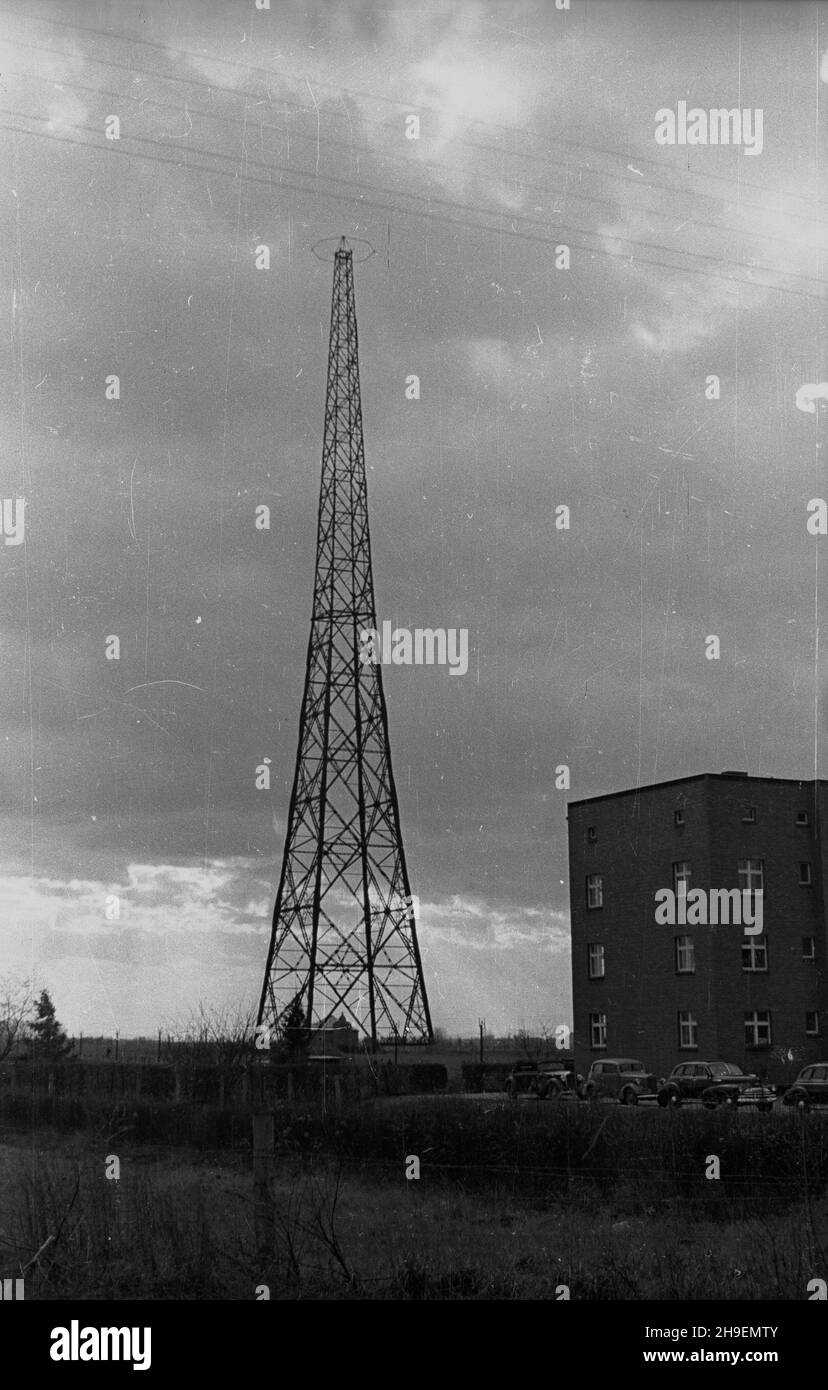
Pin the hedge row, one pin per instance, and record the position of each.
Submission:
(130, 1122)
(417, 1079)
(486, 1076)
(221, 1086)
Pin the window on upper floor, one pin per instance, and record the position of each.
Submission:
(685, 955)
(809, 948)
(592, 834)
(595, 890)
(805, 873)
(755, 954)
(678, 818)
(595, 961)
(681, 878)
(758, 1028)
(812, 1023)
(751, 875)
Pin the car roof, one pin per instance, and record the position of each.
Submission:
(708, 1062)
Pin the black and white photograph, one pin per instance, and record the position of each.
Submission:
(413, 720)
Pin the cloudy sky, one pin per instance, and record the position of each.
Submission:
(540, 387)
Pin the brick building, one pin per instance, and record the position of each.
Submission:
(668, 993)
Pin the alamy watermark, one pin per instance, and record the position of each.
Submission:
(77, 1343)
(12, 519)
(703, 908)
(425, 646)
(718, 126)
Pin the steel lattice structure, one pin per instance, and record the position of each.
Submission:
(344, 936)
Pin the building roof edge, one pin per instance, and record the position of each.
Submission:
(697, 777)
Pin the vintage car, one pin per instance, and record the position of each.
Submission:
(561, 1082)
(714, 1083)
(547, 1080)
(621, 1078)
(810, 1087)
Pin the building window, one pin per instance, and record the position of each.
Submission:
(802, 818)
(598, 1032)
(595, 954)
(685, 956)
(812, 1024)
(592, 834)
(804, 873)
(681, 878)
(688, 1030)
(595, 890)
(758, 1028)
(749, 818)
(755, 953)
(678, 818)
(751, 875)
(809, 948)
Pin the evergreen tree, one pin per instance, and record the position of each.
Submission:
(296, 1034)
(46, 1037)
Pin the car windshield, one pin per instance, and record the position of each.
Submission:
(631, 1066)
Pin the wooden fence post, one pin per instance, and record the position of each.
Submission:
(262, 1196)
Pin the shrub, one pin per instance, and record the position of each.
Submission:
(485, 1076)
(415, 1079)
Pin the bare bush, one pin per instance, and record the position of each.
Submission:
(213, 1036)
(16, 1001)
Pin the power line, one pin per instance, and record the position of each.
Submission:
(268, 74)
(561, 229)
(434, 217)
(536, 189)
(133, 68)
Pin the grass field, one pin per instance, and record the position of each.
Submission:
(511, 1203)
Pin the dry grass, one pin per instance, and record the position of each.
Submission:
(182, 1228)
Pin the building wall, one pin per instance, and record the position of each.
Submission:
(636, 845)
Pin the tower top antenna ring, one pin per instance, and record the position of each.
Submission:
(330, 246)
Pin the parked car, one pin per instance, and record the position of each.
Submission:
(733, 1092)
(723, 1083)
(621, 1078)
(561, 1083)
(548, 1080)
(714, 1083)
(810, 1087)
(522, 1080)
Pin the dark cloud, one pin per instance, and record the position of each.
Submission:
(538, 387)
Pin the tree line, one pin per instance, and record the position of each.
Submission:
(29, 1027)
